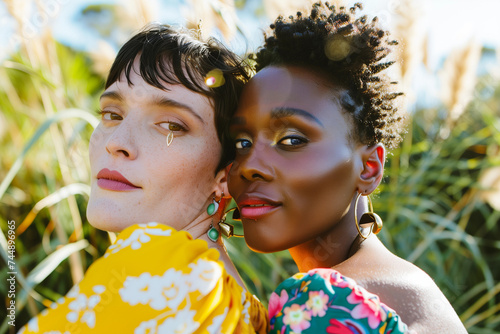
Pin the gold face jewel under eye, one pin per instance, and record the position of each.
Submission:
(170, 138)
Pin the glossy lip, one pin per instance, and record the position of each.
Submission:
(248, 210)
(113, 180)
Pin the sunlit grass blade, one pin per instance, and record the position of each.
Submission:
(56, 197)
(47, 266)
(62, 115)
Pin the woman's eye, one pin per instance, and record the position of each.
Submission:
(243, 144)
(171, 126)
(292, 141)
(110, 116)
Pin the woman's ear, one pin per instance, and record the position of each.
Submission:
(221, 182)
(373, 168)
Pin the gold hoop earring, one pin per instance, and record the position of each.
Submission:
(228, 229)
(370, 217)
(170, 138)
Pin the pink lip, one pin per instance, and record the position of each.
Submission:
(248, 209)
(113, 180)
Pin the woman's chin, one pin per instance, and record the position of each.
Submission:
(105, 220)
(106, 226)
(263, 245)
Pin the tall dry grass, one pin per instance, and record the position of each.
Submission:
(274, 8)
(42, 147)
(459, 80)
(410, 33)
(208, 15)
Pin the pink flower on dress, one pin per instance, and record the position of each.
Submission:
(297, 318)
(276, 303)
(347, 327)
(336, 279)
(368, 306)
(317, 303)
(322, 272)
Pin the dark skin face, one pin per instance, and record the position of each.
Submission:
(297, 168)
(295, 178)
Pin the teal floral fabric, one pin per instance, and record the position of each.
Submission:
(324, 301)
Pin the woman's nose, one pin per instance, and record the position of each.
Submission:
(255, 164)
(121, 141)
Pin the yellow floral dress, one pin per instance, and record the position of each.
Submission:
(154, 279)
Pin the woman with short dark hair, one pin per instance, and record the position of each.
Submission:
(158, 177)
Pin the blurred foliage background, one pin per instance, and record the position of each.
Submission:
(440, 199)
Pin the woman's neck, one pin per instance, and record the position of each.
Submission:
(324, 251)
(331, 248)
(199, 230)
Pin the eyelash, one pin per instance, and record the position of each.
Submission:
(239, 141)
(104, 112)
(302, 140)
(182, 128)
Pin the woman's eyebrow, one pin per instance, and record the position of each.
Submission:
(112, 95)
(162, 101)
(287, 112)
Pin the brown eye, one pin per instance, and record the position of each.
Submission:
(110, 116)
(292, 141)
(171, 126)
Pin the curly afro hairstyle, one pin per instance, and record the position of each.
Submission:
(350, 50)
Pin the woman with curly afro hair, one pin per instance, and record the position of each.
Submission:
(311, 133)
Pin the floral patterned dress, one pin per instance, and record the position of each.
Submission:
(154, 279)
(324, 301)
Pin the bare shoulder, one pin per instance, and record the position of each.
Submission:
(405, 288)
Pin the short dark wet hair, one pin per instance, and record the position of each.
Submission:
(179, 56)
(351, 51)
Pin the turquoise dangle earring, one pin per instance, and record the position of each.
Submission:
(213, 233)
(214, 206)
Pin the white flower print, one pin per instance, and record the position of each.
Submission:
(137, 289)
(73, 293)
(82, 307)
(216, 325)
(137, 238)
(174, 289)
(99, 289)
(33, 325)
(146, 327)
(182, 323)
(204, 276)
(89, 318)
(246, 307)
(157, 291)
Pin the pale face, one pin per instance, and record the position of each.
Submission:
(295, 171)
(170, 185)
